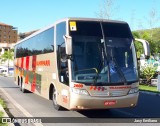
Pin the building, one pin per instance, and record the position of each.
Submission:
(8, 37)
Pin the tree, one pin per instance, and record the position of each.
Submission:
(138, 45)
(106, 10)
(152, 21)
(22, 35)
(8, 56)
(153, 18)
(136, 34)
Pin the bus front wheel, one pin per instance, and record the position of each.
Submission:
(54, 99)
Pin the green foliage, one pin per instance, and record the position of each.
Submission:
(138, 45)
(146, 36)
(148, 88)
(148, 71)
(153, 48)
(3, 103)
(139, 48)
(152, 36)
(8, 55)
(4, 106)
(136, 34)
(1, 113)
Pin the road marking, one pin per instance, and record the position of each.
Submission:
(25, 112)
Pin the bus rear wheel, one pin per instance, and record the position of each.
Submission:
(54, 99)
(22, 88)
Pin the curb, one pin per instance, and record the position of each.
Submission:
(5, 115)
(25, 112)
(150, 93)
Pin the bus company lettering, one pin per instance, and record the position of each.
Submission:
(119, 87)
(43, 63)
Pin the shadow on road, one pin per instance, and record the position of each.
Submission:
(97, 113)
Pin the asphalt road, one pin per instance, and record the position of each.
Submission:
(36, 106)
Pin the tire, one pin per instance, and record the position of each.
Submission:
(22, 87)
(54, 100)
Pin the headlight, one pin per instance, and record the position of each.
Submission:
(133, 90)
(79, 91)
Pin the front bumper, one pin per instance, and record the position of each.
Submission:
(89, 102)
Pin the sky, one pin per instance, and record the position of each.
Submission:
(28, 15)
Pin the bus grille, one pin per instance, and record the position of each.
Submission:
(110, 94)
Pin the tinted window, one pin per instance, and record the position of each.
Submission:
(111, 29)
(61, 53)
(60, 31)
(87, 29)
(117, 30)
(39, 44)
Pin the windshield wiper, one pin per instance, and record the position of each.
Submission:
(119, 70)
(103, 50)
(106, 58)
(101, 63)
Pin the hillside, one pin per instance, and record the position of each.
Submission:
(156, 33)
(152, 36)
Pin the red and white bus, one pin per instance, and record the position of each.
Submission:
(80, 63)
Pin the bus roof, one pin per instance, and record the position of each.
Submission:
(67, 19)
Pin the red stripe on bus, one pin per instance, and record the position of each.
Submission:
(34, 59)
(27, 63)
(22, 62)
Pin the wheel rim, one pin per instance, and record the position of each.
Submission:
(54, 97)
(23, 87)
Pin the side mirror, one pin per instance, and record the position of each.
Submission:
(68, 42)
(145, 46)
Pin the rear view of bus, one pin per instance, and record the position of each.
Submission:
(103, 65)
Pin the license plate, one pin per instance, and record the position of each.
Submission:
(109, 103)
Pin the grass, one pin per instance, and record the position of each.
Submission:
(1, 113)
(148, 88)
(3, 103)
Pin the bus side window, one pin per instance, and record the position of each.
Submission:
(63, 65)
(61, 53)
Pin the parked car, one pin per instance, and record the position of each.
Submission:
(4, 71)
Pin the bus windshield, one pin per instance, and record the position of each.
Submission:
(91, 64)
